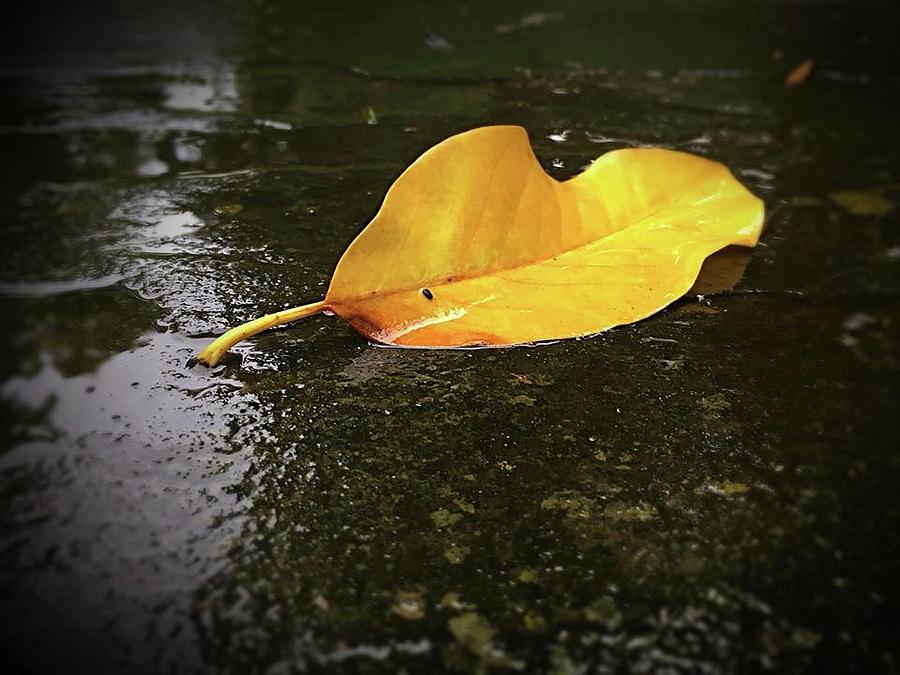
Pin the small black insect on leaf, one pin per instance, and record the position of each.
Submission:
(428, 294)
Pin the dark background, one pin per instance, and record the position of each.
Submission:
(711, 490)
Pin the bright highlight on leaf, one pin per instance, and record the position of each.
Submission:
(476, 245)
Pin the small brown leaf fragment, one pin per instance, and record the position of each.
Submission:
(800, 73)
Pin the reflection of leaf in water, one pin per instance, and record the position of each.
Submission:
(721, 271)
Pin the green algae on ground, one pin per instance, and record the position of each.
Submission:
(474, 633)
(409, 605)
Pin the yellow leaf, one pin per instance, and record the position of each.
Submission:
(862, 203)
(476, 245)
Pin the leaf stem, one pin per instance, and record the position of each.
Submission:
(217, 348)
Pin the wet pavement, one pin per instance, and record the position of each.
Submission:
(711, 490)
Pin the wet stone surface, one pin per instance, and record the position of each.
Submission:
(711, 490)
